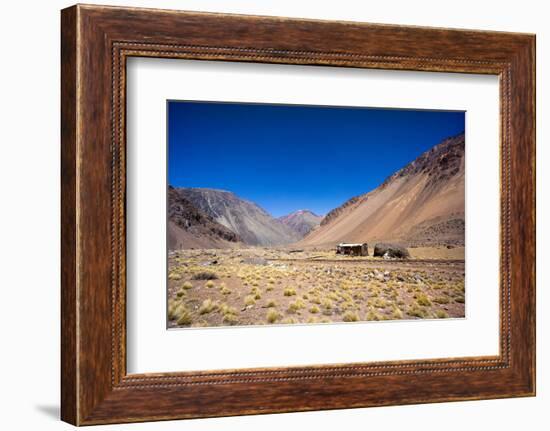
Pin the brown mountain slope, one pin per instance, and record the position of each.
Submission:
(302, 221)
(423, 203)
(189, 227)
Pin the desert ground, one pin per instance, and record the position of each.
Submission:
(261, 286)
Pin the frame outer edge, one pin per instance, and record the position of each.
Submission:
(87, 396)
(69, 197)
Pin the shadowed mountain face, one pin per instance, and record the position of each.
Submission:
(423, 203)
(189, 227)
(302, 221)
(252, 224)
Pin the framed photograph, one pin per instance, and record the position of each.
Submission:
(266, 215)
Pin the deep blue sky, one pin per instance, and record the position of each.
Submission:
(291, 157)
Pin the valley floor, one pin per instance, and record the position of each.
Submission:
(269, 286)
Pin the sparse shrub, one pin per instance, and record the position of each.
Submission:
(207, 306)
(315, 300)
(257, 296)
(249, 300)
(441, 300)
(205, 275)
(187, 285)
(459, 299)
(289, 291)
(372, 315)
(440, 314)
(314, 310)
(380, 303)
(230, 319)
(289, 320)
(347, 305)
(180, 293)
(174, 276)
(296, 305)
(225, 291)
(312, 319)
(172, 307)
(415, 311)
(184, 316)
(333, 296)
(397, 313)
(350, 316)
(326, 304)
(272, 316)
(423, 300)
(209, 284)
(227, 309)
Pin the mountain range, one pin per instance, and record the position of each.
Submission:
(252, 224)
(422, 204)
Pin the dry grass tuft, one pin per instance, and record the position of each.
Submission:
(441, 300)
(174, 276)
(272, 316)
(350, 316)
(397, 313)
(207, 306)
(314, 310)
(184, 316)
(249, 300)
(293, 307)
(289, 291)
(423, 300)
(440, 314)
(415, 311)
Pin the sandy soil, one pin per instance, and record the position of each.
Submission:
(269, 286)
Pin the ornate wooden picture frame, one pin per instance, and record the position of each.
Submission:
(96, 41)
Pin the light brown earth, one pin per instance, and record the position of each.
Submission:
(258, 286)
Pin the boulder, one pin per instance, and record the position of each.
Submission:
(391, 251)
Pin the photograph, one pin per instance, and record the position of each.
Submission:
(294, 214)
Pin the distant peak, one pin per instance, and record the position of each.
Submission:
(300, 212)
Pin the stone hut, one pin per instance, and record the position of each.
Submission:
(353, 249)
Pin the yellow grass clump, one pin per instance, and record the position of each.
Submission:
(423, 300)
(272, 316)
(293, 307)
(174, 276)
(289, 291)
(207, 306)
(314, 309)
(249, 300)
(350, 316)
